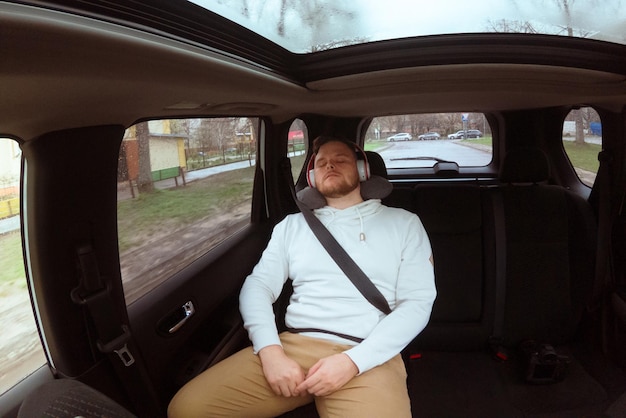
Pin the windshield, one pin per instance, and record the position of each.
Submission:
(313, 25)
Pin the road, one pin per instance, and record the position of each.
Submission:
(462, 153)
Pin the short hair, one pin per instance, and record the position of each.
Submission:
(325, 139)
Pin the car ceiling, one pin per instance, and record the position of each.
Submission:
(64, 70)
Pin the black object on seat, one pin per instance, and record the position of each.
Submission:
(66, 398)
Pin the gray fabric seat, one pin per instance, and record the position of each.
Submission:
(66, 398)
(550, 251)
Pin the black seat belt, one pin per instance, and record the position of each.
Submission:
(497, 336)
(344, 261)
(603, 293)
(113, 336)
(603, 271)
(342, 258)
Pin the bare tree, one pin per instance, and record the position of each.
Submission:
(223, 133)
(320, 22)
(511, 26)
(566, 8)
(144, 177)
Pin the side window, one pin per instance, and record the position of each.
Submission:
(296, 146)
(582, 141)
(413, 141)
(183, 187)
(21, 352)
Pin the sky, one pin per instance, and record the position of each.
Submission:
(384, 19)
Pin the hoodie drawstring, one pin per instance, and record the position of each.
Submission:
(362, 234)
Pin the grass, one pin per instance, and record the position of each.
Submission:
(11, 259)
(583, 156)
(149, 214)
(485, 140)
(374, 145)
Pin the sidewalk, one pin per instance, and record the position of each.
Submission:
(9, 224)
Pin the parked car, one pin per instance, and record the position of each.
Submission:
(428, 136)
(471, 133)
(122, 266)
(400, 137)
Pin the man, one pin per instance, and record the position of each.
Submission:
(342, 352)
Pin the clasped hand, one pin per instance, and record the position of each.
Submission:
(287, 378)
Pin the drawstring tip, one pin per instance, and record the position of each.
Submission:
(362, 236)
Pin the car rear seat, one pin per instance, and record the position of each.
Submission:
(548, 247)
(550, 251)
(457, 218)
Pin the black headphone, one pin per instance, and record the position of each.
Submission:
(362, 166)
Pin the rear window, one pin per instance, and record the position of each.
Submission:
(421, 140)
(582, 141)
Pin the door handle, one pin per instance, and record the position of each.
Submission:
(185, 312)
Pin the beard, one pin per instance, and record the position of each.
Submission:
(339, 187)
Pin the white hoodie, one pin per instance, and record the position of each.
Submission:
(390, 245)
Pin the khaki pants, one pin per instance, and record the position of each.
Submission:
(236, 387)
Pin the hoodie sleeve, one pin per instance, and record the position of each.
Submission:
(261, 289)
(415, 294)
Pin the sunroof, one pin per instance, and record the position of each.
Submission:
(313, 25)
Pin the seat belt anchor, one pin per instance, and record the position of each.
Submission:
(125, 356)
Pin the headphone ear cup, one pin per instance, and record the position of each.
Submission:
(364, 169)
(310, 172)
(310, 178)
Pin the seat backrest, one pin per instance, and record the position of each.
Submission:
(454, 216)
(550, 251)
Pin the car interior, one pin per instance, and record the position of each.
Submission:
(132, 285)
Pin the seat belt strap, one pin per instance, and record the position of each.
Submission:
(92, 293)
(113, 337)
(497, 336)
(339, 255)
(344, 261)
(338, 334)
(602, 279)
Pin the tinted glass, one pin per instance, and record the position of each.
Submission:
(464, 138)
(296, 146)
(183, 187)
(21, 352)
(323, 24)
(582, 141)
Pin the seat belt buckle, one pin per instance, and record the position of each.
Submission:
(497, 349)
(119, 346)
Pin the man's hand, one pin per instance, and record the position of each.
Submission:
(328, 375)
(282, 373)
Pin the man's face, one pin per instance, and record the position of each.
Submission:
(336, 173)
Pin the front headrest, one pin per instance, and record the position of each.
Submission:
(525, 165)
(377, 164)
(376, 187)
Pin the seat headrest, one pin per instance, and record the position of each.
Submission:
(525, 165)
(376, 163)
